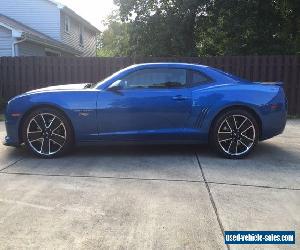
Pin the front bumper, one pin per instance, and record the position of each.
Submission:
(12, 134)
(8, 142)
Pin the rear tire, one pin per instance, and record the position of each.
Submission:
(235, 133)
(47, 133)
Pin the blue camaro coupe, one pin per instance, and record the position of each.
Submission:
(149, 104)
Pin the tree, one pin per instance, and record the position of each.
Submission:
(249, 27)
(161, 27)
(114, 41)
(290, 30)
(202, 27)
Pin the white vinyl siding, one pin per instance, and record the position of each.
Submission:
(47, 18)
(6, 41)
(72, 38)
(89, 41)
(40, 15)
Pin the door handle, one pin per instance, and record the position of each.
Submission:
(179, 98)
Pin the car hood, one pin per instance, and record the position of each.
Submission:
(59, 88)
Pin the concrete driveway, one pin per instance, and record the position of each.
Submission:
(158, 197)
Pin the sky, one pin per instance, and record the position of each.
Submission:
(94, 11)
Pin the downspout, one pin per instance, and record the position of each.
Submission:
(14, 51)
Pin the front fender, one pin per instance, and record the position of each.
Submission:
(78, 106)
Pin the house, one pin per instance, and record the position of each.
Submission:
(44, 28)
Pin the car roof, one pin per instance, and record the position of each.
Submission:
(167, 64)
(211, 72)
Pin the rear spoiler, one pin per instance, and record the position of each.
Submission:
(271, 83)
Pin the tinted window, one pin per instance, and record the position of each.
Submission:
(198, 78)
(156, 78)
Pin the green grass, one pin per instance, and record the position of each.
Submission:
(1, 117)
(293, 116)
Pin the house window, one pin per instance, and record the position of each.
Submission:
(67, 24)
(81, 41)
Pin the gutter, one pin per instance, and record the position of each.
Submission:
(52, 44)
(16, 34)
(41, 41)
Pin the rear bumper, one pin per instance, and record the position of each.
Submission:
(273, 124)
(274, 116)
(271, 133)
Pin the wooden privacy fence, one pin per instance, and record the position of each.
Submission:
(20, 74)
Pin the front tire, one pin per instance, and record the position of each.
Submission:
(47, 133)
(235, 133)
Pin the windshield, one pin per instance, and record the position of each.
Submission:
(97, 84)
(109, 77)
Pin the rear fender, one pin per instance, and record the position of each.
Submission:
(254, 97)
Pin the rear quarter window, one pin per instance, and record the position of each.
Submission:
(198, 78)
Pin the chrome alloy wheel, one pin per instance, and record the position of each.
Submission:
(46, 134)
(236, 135)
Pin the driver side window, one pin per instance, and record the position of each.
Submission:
(156, 78)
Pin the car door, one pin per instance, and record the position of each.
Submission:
(150, 104)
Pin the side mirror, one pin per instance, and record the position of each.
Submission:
(116, 86)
